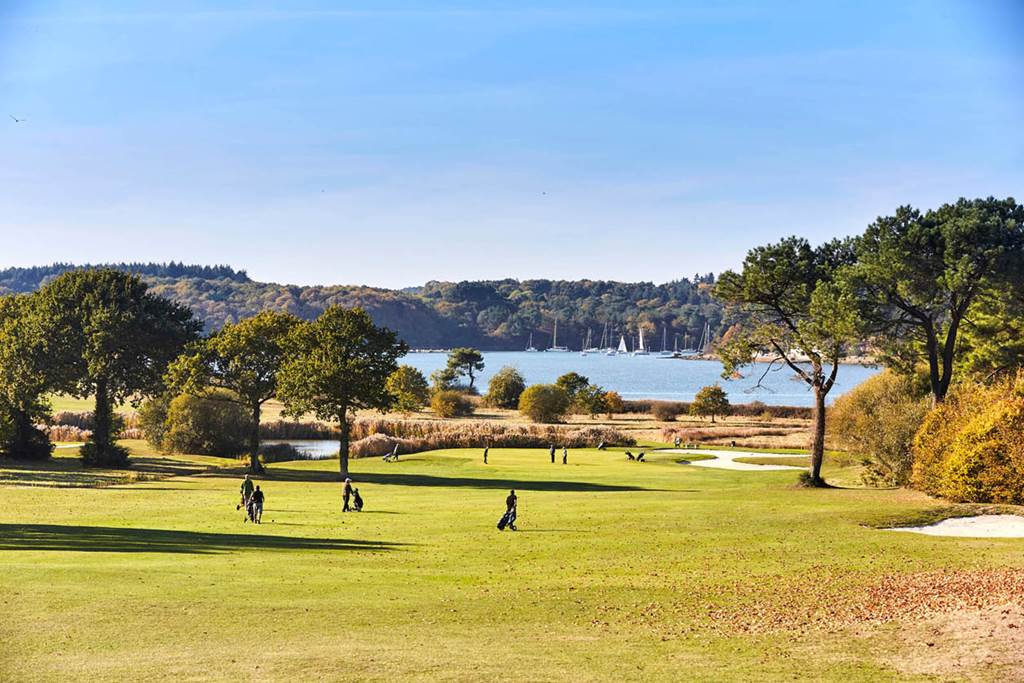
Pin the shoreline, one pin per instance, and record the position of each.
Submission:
(865, 361)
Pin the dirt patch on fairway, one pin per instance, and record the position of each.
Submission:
(905, 598)
(977, 644)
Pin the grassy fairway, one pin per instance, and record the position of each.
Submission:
(653, 571)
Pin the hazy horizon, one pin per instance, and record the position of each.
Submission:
(357, 144)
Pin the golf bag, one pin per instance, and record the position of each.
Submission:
(357, 501)
(507, 520)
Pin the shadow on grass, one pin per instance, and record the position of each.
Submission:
(121, 540)
(68, 472)
(397, 479)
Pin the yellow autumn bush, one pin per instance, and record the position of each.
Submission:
(971, 448)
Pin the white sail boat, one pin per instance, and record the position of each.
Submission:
(531, 348)
(555, 348)
(587, 345)
(665, 353)
(705, 339)
(621, 351)
(606, 341)
(641, 350)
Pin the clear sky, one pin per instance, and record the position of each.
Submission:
(389, 143)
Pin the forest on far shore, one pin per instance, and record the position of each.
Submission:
(490, 315)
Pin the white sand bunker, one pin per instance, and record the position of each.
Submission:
(978, 526)
(726, 460)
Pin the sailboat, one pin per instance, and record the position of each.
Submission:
(531, 348)
(587, 348)
(705, 339)
(606, 341)
(555, 348)
(641, 350)
(665, 353)
(622, 350)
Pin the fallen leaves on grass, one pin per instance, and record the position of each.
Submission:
(819, 604)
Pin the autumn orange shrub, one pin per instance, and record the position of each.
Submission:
(971, 447)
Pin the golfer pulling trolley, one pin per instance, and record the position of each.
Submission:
(509, 518)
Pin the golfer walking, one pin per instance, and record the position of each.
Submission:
(346, 495)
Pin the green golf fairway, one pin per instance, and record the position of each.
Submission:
(620, 570)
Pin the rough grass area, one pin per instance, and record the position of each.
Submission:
(621, 571)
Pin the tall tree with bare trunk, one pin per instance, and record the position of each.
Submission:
(790, 304)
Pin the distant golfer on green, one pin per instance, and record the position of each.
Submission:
(246, 490)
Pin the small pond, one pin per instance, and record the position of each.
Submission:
(311, 449)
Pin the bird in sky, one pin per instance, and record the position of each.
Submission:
(16, 119)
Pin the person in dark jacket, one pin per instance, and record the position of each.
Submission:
(346, 494)
(256, 506)
(511, 502)
(486, 448)
(565, 455)
(246, 491)
(552, 454)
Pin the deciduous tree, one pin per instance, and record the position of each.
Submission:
(572, 383)
(544, 403)
(26, 374)
(337, 364)
(710, 401)
(239, 363)
(505, 388)
(409, 387)
(116, 340)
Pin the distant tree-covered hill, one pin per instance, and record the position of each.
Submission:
(493, 315)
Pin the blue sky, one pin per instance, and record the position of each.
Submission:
(389, 143)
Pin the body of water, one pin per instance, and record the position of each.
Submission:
(651, 377)
(311, 449)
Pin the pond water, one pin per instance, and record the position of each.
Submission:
(311, 449)
(652, 377)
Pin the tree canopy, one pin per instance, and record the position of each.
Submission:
(918, 276)
(490, 315)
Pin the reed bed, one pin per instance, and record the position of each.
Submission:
(754, 409)
(373, 436)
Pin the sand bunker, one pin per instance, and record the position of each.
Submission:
(726, 460)
(978, 526)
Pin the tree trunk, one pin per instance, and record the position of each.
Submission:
(103, 416)
(254, 441)
(27, 442)
(818, 437)
(343, 443)
(948, 351)
(934, 378)
(102, 451)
